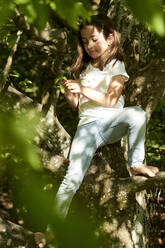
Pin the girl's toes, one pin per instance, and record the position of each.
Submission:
(154, 169)
(144, 170)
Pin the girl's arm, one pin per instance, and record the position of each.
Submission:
(72, 98)
(108, 99)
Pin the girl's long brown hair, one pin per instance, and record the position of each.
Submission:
(82, 59)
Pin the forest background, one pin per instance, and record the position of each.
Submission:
(37, 45)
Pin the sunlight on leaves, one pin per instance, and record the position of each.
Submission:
(31, 13)
(158, 24)
(21, 1)
(51, 4)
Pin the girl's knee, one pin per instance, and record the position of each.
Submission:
(137, 115)
(136, 109)
(141, 114)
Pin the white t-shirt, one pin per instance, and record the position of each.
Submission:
(99, 80)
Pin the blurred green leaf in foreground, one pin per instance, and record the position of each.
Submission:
(150, 12)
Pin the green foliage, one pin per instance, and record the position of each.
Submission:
(6, 10)
(38, 12)
(150, 12)
(20, 166)
(16, 134)
(6, 30)
(27, 73)
(155, 144)
(70, 10)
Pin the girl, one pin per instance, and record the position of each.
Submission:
(100, 76)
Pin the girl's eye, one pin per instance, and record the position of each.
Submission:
(85, 42)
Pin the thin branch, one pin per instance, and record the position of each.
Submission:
(50, 50)
(9, 61)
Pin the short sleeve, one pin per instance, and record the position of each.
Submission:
(117, 68)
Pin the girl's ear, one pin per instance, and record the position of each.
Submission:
(110, 39)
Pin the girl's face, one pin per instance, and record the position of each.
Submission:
(95, 43)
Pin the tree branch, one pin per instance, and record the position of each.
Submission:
(140, 183)
(52, 137)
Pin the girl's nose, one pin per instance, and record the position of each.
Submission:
(89, 45)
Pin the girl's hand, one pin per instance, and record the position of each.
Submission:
(62, 82)
(72, 97)
(73, 86)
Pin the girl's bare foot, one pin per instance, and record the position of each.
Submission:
(150, 171)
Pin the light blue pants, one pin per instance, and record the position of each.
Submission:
(129, 121)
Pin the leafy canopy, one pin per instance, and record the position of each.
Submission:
(150, 12)
(37, 12)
